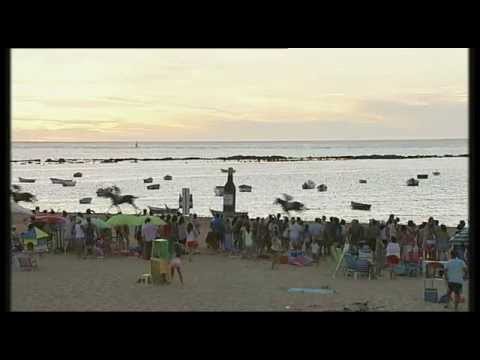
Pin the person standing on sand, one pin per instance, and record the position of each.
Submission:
(149, 233)
(455, 274)
(80, 237)
(430, 239)
(276, 247)
(215, 226)
(192, 242)
(294, 234)
(176, 262)
(197, 227)
(393, 255)
(442, 243)
(379, 255)
(402, 241)
(91, 234)
(228, 241)
(182, 231)
(246, 236)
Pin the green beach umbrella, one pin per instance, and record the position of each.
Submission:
(99, 223)
(40, 234)
(155, 220)
(124, 219)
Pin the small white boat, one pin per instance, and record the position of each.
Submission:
(219, 190)
(23, 180)
(308, 185)
(322, 187)
(69, 183)
(167, 177)
(86, 200)
(245, 188)
(412, 182)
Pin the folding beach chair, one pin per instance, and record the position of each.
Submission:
(26, 262)
(350, 266)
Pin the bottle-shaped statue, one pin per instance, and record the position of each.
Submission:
(229, 196)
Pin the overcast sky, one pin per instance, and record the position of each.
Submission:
(238, 94)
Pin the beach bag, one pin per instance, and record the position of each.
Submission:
(443, 299)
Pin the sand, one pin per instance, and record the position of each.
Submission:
(213, 282)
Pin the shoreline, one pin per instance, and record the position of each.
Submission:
(268, 158)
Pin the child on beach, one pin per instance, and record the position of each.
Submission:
(176, 263)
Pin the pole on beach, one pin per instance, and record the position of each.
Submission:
(345, 250)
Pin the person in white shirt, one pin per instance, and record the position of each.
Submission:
(80, 237)
(393, 255)
(294, 234)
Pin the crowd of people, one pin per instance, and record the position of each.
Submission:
(242, 234)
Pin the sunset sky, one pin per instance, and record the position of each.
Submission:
(238, 94)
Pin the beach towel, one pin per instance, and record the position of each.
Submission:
(324, 291)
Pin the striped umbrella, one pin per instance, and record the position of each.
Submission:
(461, 238)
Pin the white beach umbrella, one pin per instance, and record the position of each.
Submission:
(19, 216)
(16, 209)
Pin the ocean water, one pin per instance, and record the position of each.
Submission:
(445, 197)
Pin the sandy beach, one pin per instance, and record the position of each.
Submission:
(213, 282)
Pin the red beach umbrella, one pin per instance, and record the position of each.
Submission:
(51, 219)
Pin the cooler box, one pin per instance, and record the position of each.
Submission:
(160, 270)
(430, 291)
(160, 249)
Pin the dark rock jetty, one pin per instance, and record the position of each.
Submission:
(270, 158)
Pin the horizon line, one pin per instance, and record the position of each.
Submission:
(227, 141)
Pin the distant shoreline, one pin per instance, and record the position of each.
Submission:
(233, 141)
(269, 158)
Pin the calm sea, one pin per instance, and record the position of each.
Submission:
(445, 197)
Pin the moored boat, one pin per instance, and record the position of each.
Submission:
(163, 211)
(322, 187)
(308, 185)
(238, 214)
(422, 176)
(23, 180)
(69, 183)
(58, 181)
(148, 180)
(167, 177)
(360, 206)
(362, 181)
(436, 173)
(153, 187)
(86, 200)
(244, 188)
(219, 190)
(77, 174)
(412, 182)
(225, 170)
